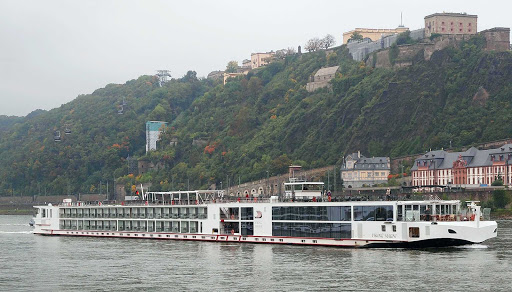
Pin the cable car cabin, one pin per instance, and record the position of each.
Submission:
(56, 136)
(67, 131)
(120, 111)
(303, 191)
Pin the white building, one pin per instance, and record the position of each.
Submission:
(358, 171)
(153, 130)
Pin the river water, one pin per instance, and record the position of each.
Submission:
(31, 262)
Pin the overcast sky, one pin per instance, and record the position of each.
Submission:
(52, 51)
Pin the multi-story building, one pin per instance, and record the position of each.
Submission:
(260, 59)
(373, 33)
(359, 171)
(470, 168)
(246, 64)
(450, 23)
(153, 130)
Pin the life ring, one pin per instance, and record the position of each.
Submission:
(472, 217)
(232, 231)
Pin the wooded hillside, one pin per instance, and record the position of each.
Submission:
(261, 122)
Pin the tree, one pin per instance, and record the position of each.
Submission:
(290, 51)
(498, 181)
(404, 38)
(500, 198)
(281, 54)
(313, 45)
(355, 37)
(328, 41)
(394, 51)
(191, 76)
(232, 67)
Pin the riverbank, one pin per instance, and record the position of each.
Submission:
(16, 210)
(501, 214)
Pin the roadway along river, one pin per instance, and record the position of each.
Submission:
(31, 262)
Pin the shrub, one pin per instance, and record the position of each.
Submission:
(500, 198)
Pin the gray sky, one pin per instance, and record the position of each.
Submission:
(52, 51)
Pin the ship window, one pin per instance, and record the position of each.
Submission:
(247, 228)
(247, 214)
(373, 213)
(383, 228)
(451, 231)
(314, 213)
(306, 229)
(394, 228)
(414, 232)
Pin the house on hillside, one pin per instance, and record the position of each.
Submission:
(215, 75)
(246, 64)
(321, 78)
(358, 171)
(260, 59)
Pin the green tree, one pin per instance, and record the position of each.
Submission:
(232, 67)
(394, 51)
(500, 198)
(355, 37)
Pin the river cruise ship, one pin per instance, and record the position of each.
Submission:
(302, 216)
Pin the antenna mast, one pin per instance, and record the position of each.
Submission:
(162, 76)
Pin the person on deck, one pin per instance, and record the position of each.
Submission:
(427, 214)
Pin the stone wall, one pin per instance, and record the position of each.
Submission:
(498, 39)
(274, 185)
(312, 86)
(359, 50)
(481, 195)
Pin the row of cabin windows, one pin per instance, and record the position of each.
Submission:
(153, 226)
(146, 213)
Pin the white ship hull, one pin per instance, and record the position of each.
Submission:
(340, 224)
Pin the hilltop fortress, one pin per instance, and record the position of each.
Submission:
(441, 30)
